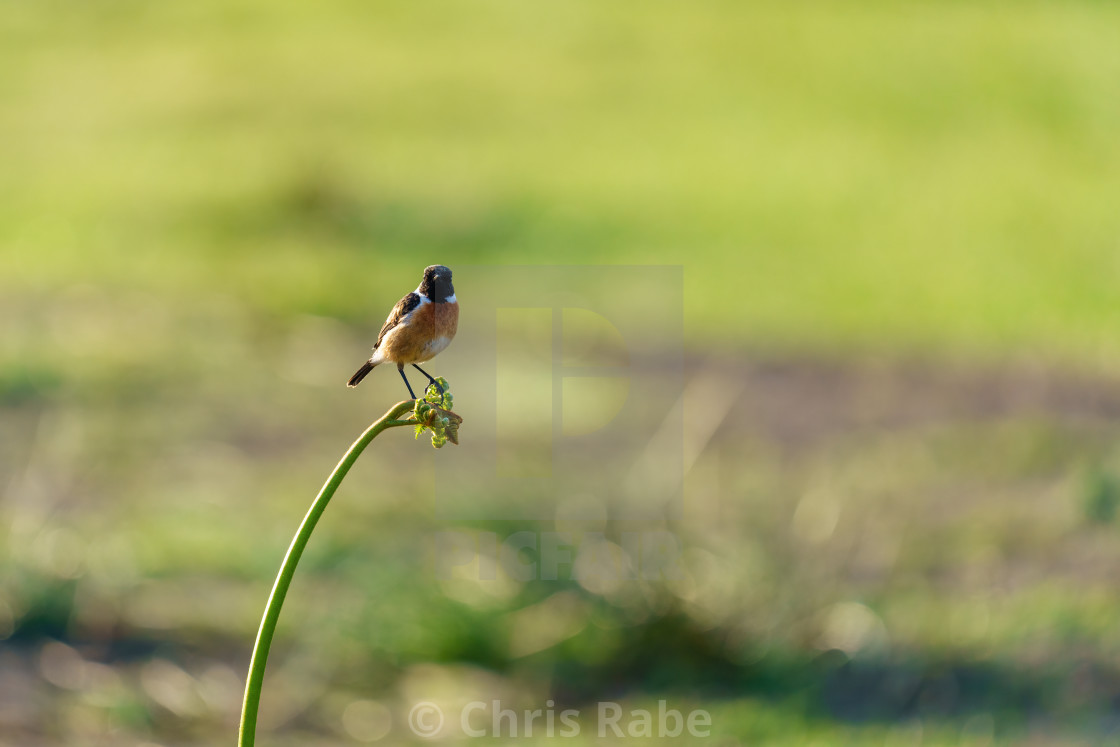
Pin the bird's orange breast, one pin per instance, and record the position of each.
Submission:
(425, 333)
(445, 319)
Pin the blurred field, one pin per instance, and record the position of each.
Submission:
(899, 234)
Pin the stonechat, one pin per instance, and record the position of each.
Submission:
(419, 327)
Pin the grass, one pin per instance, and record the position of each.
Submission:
(910, 176)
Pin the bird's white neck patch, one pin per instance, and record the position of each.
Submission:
(424, 299)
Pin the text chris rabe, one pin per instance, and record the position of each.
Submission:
(610, 720)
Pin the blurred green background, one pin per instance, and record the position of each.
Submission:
(901, 245)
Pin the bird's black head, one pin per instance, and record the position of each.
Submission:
(436, 284)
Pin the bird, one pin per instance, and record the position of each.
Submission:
(419, 327)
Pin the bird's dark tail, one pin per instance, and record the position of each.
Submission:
(360, 374)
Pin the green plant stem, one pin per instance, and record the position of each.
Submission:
(247, 734)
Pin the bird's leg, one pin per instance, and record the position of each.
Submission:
(432, 381)
(400, 370)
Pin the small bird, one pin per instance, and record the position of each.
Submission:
(419, 327)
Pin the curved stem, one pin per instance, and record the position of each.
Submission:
(253, 684)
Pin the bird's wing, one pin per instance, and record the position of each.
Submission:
(404, 307)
